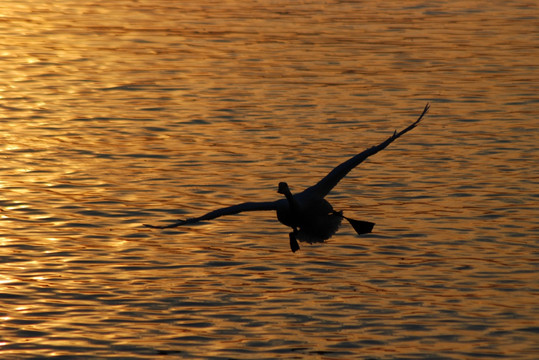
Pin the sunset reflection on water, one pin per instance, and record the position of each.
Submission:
(123, 113)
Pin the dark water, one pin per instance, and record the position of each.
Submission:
(118, 113)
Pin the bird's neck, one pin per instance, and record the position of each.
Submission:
(291, 202)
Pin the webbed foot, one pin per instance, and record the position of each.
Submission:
(294, 246)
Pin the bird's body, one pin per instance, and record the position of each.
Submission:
(314, 218)
(311, 217)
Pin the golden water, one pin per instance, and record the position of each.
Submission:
(117, 113)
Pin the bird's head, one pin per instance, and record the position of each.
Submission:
(283, 188)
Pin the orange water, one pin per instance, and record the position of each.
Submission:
(123, 112)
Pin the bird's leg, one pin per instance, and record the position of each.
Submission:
(361, 227)
(294, 246)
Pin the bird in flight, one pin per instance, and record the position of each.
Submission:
(311, 217)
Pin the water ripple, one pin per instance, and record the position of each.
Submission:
(111, 118)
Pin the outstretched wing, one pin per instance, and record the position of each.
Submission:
(248, 206)
(324, 186)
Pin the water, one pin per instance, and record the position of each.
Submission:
(119, 113)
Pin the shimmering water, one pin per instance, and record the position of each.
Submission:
(123, 112)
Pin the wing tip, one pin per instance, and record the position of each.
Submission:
(173, 225)
(425, 110)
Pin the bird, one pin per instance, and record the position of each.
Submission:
(311, 217)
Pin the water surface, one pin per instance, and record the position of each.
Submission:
(115, 114)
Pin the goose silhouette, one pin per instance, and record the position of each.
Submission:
(311, 217)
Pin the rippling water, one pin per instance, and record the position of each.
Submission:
(123, 112)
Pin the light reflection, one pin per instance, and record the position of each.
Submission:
(11, 147)
(5, 279)
(99, 162)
